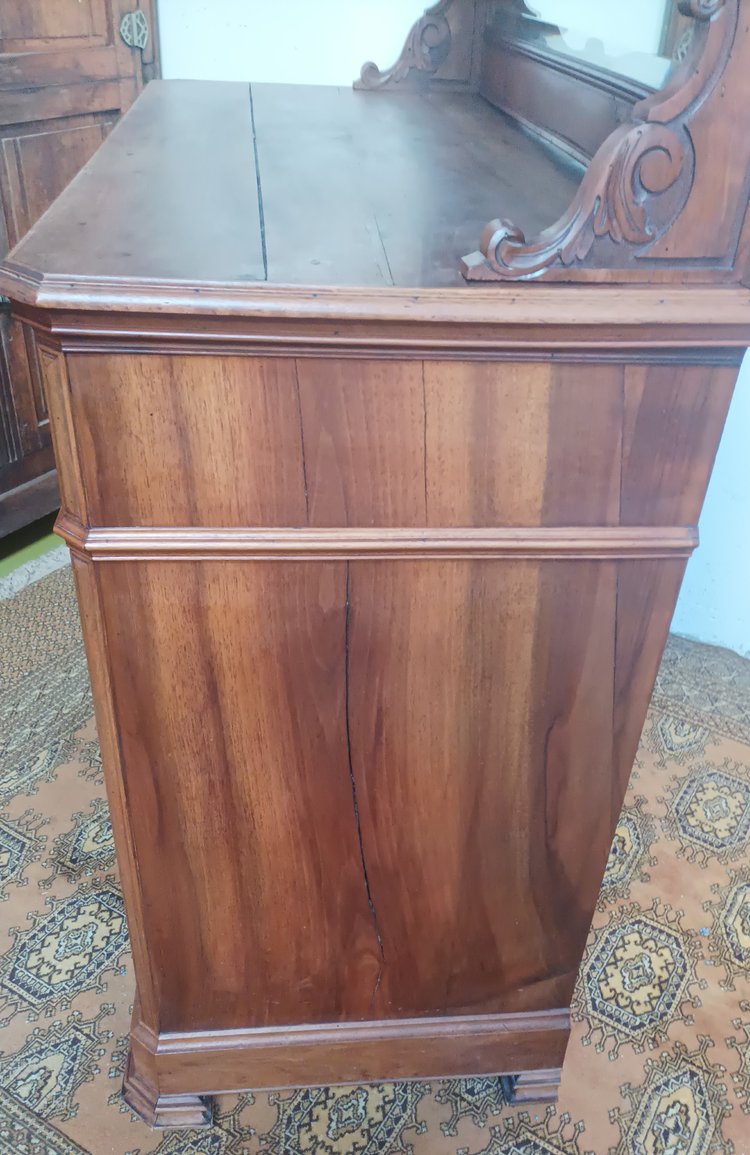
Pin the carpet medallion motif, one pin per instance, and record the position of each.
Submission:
(20, 842)
(731, 926)
(741, 1044)
(709, 814)
(679, 1108)
(346, 1121)
(637, 977)
(630, 853)
(53, 1064)
(66, 952)
(87, 847)
(474, 1099)
(659, 1058)
(522, 1136)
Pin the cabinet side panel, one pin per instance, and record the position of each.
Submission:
(229, 682)
(205, 441)
(522, 444)
(363, 428)
(674, 417)
(480, 712)
(236, 441)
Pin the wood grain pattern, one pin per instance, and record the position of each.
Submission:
(238, 760)
(432, 833)
(362, 427)
(685, 408)
(57, 388)
(351, 1053)
(481, 421)
(328, 443)
(201, 415)
(107, 725)
(647, 593)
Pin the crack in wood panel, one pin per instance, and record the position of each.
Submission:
(353, 781)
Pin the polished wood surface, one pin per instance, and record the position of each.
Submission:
(375, 575)
(242, 148)
(65, 78)
(429, 684)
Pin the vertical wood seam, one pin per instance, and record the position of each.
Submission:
(302, 441)
(353, 782)
(424, 423)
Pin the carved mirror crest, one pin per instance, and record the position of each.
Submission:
(635, 94)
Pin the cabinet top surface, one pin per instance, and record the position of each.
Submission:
(225, 182)
(226, 198)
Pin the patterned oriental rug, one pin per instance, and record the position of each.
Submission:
(659, 1061)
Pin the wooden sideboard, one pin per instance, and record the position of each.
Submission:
(376, 564)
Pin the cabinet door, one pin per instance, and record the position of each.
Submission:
(66, 75)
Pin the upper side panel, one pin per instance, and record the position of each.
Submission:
(241, 441)
(238, 441)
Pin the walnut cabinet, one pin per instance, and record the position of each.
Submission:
(378, 515)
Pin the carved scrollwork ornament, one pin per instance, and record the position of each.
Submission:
(652, 160)
(427, 48)
(700, 9)
(637, 184)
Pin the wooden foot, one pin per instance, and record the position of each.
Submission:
(164, 1111)
(533, 1086)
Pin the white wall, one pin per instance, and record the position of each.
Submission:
(326, 42)
(714, 605)
(286, 41)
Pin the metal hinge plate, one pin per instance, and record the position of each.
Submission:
(134, 29)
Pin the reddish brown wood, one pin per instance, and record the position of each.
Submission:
(351, 1053)
(642, 208)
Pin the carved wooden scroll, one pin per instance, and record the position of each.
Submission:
(666, 195)
(443, 46)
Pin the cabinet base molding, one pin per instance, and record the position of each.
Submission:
(533, 1086)
(164, 1111)
(170, 1077)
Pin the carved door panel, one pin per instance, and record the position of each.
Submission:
(66, 75)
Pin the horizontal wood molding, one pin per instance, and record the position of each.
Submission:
(145, 543)
(680, 345)
(209, 1062)
(686, 311)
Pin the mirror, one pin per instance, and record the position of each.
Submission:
(639, 41)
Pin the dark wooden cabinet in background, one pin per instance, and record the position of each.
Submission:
(66, 76)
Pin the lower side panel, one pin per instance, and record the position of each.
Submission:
(366, 790)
